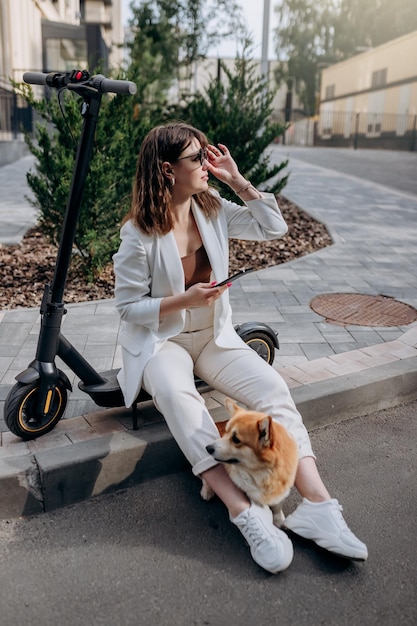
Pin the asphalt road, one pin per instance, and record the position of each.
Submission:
(158, 555)
(394, 169)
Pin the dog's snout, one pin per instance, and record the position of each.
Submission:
(210, 449)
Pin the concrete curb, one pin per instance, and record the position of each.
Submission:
(49, 479)
(356, 394)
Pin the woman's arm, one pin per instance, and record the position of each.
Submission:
(261, 218)
(133, 281)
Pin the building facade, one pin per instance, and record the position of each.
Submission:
(370, 100)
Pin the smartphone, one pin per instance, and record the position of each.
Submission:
(233, 277)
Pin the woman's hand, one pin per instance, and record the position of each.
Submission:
(203, 294)
(222, 165)
(200, 294)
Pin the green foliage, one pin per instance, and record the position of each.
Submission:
(369, 23)
(169, 36)
(236, 112)
(305, 41)
(153, 50)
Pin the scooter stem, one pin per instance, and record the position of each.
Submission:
(90, 110)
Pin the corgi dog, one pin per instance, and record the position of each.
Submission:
(260, 457)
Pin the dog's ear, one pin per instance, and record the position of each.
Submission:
(231, 406)
(265, 431)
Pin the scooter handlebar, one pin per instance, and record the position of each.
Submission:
(99, 82)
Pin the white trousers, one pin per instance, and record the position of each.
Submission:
(239, 373)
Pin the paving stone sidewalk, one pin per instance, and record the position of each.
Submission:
(16, 213)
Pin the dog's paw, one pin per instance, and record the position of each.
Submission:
(278, 518)
(206, 492)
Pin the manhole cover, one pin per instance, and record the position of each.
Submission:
(362, 310)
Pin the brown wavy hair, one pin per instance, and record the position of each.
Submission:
(151, 199)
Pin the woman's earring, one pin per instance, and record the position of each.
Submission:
(172, 180)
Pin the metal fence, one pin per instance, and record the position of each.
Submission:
(357, 130)
(368, 128)
(15, 115)
(301, 132)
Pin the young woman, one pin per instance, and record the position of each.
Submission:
(177, 322)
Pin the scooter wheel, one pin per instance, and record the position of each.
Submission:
(20, 414)
(262, 344)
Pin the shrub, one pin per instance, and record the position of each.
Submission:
(237, 112)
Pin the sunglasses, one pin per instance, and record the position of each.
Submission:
(201, 156)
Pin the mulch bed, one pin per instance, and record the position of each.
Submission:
(25, 268)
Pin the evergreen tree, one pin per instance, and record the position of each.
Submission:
(154, 50)
(237, 111)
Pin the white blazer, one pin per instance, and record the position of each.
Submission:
(148, 268)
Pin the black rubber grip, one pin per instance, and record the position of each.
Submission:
(107, 85)
(35, 78)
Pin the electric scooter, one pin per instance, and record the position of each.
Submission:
(37, 401)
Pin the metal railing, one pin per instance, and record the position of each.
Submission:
(352, 129)
(384, 130)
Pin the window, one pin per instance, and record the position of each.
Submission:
(64, 54)
(379, 78)
(330, 91)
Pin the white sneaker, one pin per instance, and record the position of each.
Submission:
(270, 547)
(323, 523)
